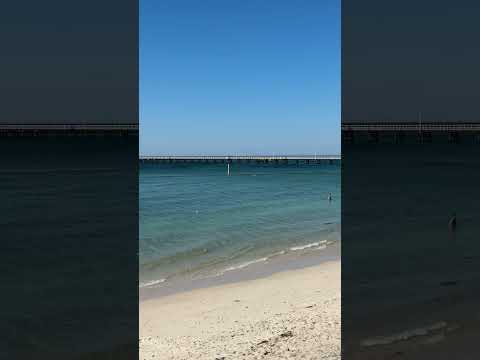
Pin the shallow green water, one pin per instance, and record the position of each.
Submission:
(195, 221)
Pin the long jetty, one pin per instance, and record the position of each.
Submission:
(411, 126)
(72, 129)
(410, 132)
(259, 159)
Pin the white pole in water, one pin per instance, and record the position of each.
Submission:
(228, 169)
(420, 126)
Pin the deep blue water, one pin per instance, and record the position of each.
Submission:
(196, 221)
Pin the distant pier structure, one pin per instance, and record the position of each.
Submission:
(98, 129)
(410, 132)
(246, 159)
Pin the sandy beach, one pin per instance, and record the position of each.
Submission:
(293, 314)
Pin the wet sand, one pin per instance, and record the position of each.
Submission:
(442, 328)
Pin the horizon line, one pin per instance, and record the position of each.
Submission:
(273, 155)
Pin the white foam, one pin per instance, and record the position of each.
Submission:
(404, 335)
(245, 264)
(277, 254)
(248, 263)
(319, 244)
(152, 283)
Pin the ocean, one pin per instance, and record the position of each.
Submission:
(197, 222)
(397, 248)
(69, 244)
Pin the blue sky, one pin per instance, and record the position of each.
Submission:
(239, 76)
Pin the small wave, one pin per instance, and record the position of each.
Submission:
(245, 264)
(320, 244)
(404, 335)
(248, 263)
(152, 283)
(283, 252)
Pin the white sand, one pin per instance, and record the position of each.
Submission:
(291, 314)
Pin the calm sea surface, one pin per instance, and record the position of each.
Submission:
(196, 221)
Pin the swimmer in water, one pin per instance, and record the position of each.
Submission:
(330, 197)
(452, 224)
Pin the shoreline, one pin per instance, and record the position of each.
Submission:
(255, 270)
(434, 328)
(293, 313)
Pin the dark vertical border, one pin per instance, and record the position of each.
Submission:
(410, 150)
(69, 180)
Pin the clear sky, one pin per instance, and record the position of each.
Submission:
(239, 76)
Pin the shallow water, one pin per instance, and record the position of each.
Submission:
(196, 222)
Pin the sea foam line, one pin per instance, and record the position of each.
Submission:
(320, 244)
(404, 335)
(245, 264)
(248, 263)
(152, 283)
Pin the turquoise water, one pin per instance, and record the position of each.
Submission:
(196, 221)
